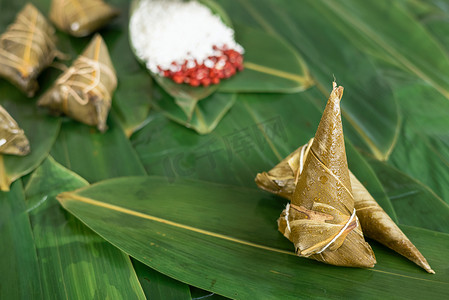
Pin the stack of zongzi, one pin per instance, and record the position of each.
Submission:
(26, 48)
(319, 220)
(84, 91)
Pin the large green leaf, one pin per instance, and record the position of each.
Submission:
(66, 248)
(369, 108)
(40, 129)
(218, 236)
(19, 276)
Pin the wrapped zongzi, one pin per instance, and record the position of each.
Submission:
(12, 138)
(84, 91)
(321, 220)
(26, 48)
(81, 17)
(376, 223)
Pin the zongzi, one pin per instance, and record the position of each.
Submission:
(12, 138)
(84, 91)
(81, 17)
(321, 220)
(376, 223)
(26, 48)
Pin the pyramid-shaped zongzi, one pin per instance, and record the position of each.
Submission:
(84, 91)
(376, 223)
(26, 48)
(321, 220)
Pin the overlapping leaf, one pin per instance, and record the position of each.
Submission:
(20, 276)
(98, 156)
(66, 248)
(217, 236)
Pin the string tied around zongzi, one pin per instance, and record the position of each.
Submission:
(317, 218)
(26, 33)
(92, 70)
(304, 152)
(32, 37)
(26, 48)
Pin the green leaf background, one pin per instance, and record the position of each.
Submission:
(392, 59)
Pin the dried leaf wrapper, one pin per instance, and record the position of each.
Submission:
(84, 91)
(26, 48)
(376, 223)
(81, 17)
(321, 220)
(12, 138)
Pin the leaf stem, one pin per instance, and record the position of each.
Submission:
(303, 80)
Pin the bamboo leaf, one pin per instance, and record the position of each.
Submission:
(433, 15)
(40, 129)
(66, 248)
(413, 201)
(158, 286)
(226, 235)
(421, 150)
(132, 99)
(20, 276)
